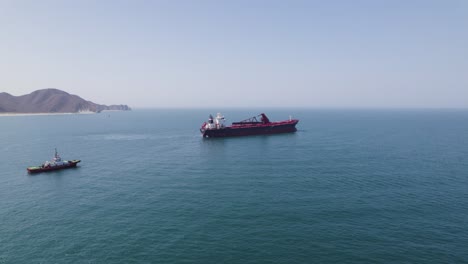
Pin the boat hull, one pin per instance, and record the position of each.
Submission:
(250, 130)
(71, 164)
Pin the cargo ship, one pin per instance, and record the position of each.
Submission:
(55, 164)
(215, 127)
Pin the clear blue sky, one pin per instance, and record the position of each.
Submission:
(197, 53)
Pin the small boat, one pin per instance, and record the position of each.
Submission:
(252, 126)
(55, 164)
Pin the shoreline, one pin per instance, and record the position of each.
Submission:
(42, 114)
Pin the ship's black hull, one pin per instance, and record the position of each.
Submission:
(250, 131)
(71, 164)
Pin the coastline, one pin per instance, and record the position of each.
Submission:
(42, 114)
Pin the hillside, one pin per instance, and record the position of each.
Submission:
(51, 101)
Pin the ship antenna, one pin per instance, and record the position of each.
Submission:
(56, 152)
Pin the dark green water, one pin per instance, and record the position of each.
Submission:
(357, 186)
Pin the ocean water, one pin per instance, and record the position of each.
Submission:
(351, 186)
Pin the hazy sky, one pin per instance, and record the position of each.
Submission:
(197, 53)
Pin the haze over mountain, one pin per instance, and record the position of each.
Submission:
(51, 101)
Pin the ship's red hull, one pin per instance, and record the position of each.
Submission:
(71, 164)
(253, 129)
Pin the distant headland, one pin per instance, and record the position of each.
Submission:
(51, 101)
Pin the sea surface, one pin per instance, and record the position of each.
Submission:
(350, 186)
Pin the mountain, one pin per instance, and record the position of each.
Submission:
(51, 101)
